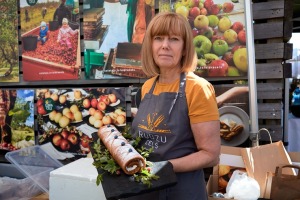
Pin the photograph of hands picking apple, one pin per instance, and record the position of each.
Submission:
(89, 108)
(219, 33)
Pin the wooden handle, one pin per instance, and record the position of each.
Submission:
(279, 168)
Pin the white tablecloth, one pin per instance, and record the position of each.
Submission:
(293, 134)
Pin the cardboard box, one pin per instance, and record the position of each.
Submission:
(213, 181)
(259, 161)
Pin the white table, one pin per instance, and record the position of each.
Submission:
(293, 134)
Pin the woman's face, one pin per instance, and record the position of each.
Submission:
(167, 51)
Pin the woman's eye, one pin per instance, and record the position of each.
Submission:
(174, 38)
(157, 38)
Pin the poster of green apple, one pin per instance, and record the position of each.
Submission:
(16, 119)
(9, 54)
(68, 117)
(219, 32)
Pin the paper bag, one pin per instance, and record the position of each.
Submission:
(265, 158)
(285, 187)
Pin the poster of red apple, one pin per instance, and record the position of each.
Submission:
(219, 32)
(50, 40)
(68, 117)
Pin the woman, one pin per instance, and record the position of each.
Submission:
(178, 115)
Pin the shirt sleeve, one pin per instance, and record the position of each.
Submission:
(201, 101)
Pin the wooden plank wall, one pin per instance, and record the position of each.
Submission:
(272, 31)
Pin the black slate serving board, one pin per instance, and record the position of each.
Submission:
(123, 185)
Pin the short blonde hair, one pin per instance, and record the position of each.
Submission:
(168, 23)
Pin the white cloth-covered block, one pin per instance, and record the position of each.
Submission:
(75, 181)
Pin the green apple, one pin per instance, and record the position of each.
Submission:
(224, 24)
(177, 4)
(233, 71)
(201, 62)
(240, 59)
(201, 5)
(185, 2)
(210, 56)
(220, 47)
(213, 20)
(201, 67)
(182, 10)
(202, 45)
(201, 21)
(230, 36)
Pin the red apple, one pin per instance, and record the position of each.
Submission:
(194, 3)
(41, 110)
(86, 103)
(217, 68)
(56, 139)
(98, 114)
(203, 11)
(195, 32)
(208, 3)
(92, 111)
(64, 144)
(94, 103)
(105, 99)
(237, 26)
(214, 9)
(112, 98)
(228, 57)
(64, 134)
(101, 105)
(106, 120)
(217, 37)
(228, 7)
(236, 47)
(194, 12)
(242, 37)
(73, 138)
(191, 21)
(39, 102)
(208, 32)
(84, 141)
(121, 119)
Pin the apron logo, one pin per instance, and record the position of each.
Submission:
(153, 122)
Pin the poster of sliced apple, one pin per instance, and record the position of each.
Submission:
(219, 33)
(67, 118)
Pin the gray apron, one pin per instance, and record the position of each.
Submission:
(162, 122)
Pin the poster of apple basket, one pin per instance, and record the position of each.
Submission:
(16, 119)
(68, 117)
(219, 34)
(113, 33)
(50, 39)
(9, 54)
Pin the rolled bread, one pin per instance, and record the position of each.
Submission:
(121, 150)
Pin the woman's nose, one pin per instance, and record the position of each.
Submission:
(165, 43)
